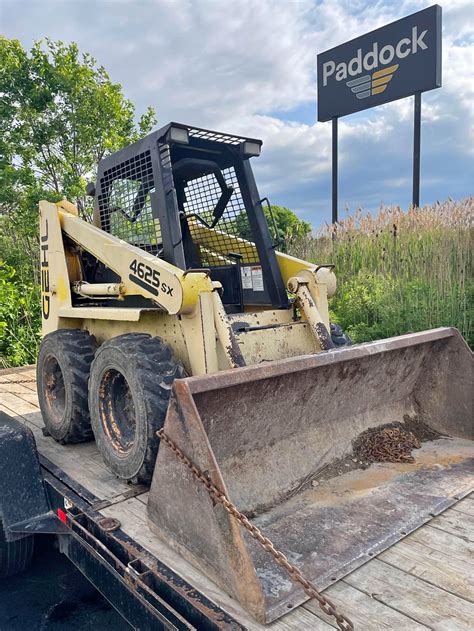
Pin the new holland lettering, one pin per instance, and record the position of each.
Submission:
(376, 57)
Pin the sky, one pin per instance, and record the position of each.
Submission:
(249, 67)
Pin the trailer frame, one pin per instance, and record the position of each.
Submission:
(145, 591)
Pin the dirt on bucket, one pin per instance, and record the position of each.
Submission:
(392, 442)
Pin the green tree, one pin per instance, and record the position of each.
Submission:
(60, 114)
(288, 226)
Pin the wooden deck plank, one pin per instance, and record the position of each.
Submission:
(26, 391)
(456, 523)
(7, 383)
(434, 567)
(17, 404)
(298, 620)
(144, 498)
(81, 462)
(465, 506)
(17, 370)
(27, 379)
(444, 542)
(14, 374)
(366, 613)
(22, 392)
(412, 596)
(35, 418)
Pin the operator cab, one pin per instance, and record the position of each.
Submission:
(188, 195)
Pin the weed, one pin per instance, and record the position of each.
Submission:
(399, 272)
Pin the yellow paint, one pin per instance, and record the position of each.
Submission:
(212, 258)
(222, 243)
(384, 71)
(62, 289)
(119, 256)
(54, 273)
(192, 285)
(379, 89)
(68, 207)
(291, 266)
(188, 314)
(225, 243)
(382, 80)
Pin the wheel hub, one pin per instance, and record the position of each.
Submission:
(117, 410)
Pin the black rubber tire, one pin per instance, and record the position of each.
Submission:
(62, 375)
(15, 556)
(129, 390)
(339, 338)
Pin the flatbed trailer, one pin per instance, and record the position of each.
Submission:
(424, 581)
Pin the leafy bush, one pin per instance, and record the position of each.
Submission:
(20, 319)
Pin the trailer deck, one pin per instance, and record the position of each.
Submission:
(425, 581)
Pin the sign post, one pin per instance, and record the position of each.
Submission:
(334, 169)
(398, 60)
(416, 149)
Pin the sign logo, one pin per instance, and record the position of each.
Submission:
(368, 85)
(389, 63)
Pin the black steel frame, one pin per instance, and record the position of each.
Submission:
(165, 207)
(37, 497)
(145, 591)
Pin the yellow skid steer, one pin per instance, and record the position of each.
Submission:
(173, 315)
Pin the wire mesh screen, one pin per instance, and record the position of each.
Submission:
(202, 195)
(206, 134)
(125, 205)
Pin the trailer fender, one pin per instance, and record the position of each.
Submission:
(24, 506)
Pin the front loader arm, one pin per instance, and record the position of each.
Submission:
(190, 294)
(141, 274)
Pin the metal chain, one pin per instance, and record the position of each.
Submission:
(343, 622)
(13, 381)
(387, 444)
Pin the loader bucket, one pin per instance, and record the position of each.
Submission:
(277, 438)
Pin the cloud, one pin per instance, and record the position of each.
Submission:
(250, 67)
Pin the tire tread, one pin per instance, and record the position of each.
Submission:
(15, 556)
(80, 346)
(154, 363)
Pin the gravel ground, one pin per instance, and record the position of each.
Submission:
(51, 595)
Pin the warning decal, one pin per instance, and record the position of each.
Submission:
(257, 278)
(252, 277)
(246, 277)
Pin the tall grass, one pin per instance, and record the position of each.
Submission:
(399, 271)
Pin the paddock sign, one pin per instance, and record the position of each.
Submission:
(389, 63)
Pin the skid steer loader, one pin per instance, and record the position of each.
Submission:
(174, 311)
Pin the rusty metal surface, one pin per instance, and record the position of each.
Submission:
(260, 433)
(269, 434)
(330, 530)
(386, 444)
(294, 573)
(184, 514)
(109, 524)
(299, 364)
